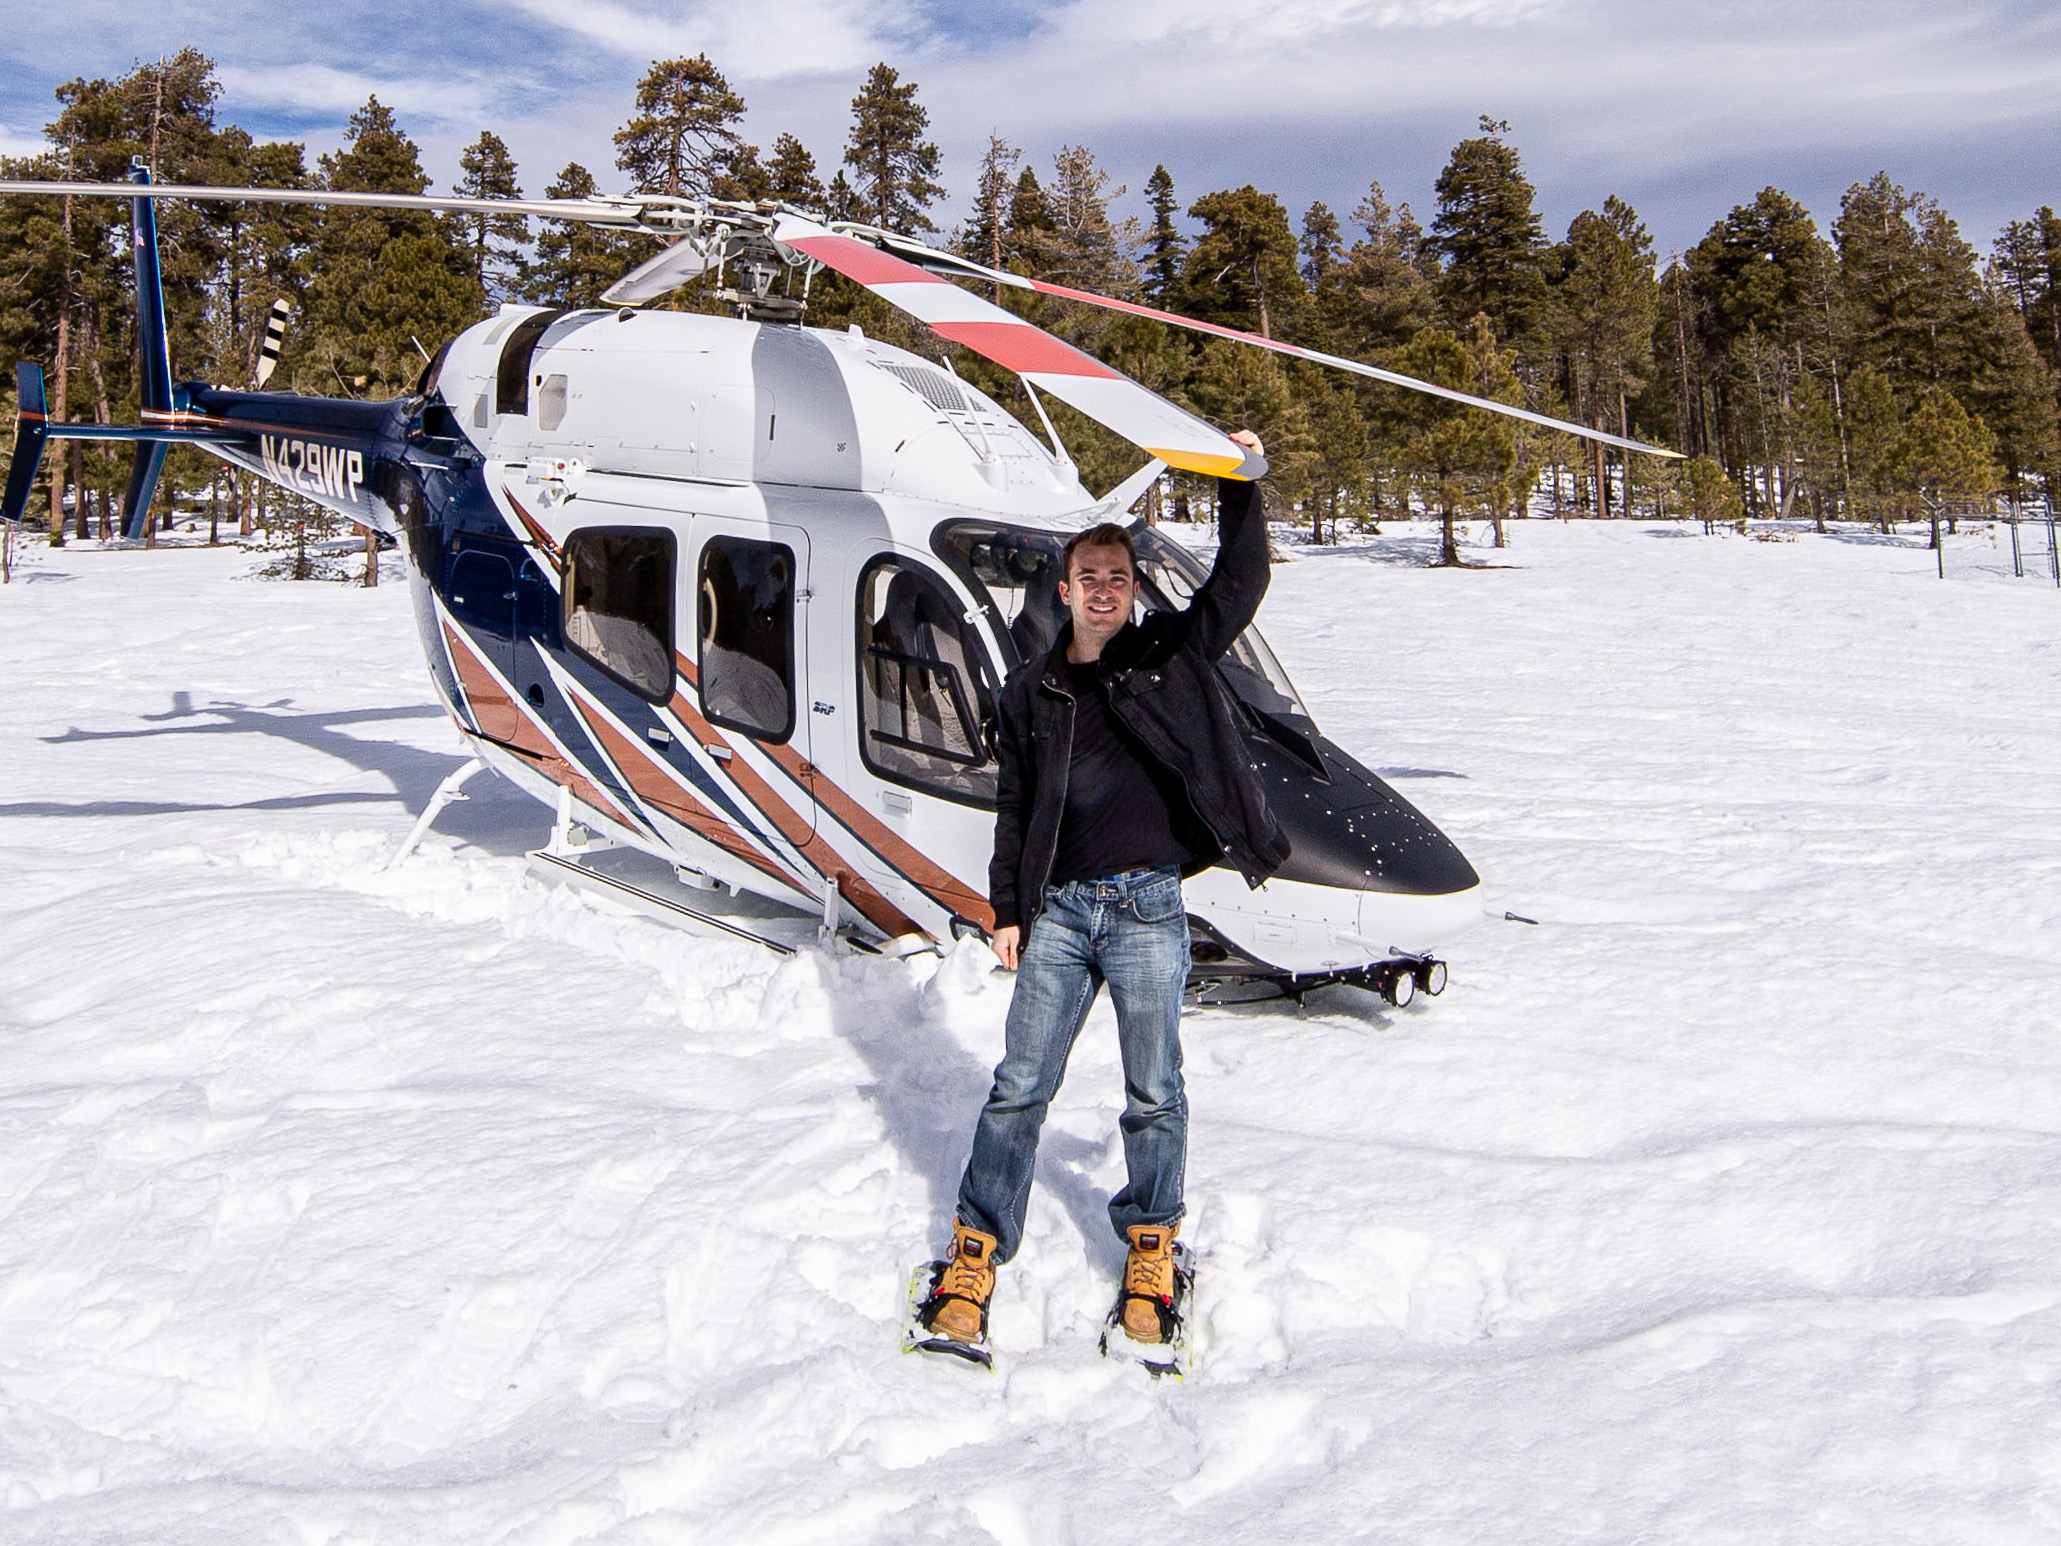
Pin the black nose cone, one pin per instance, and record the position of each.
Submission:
(1356, 832)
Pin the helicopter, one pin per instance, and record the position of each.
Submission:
(740, 593)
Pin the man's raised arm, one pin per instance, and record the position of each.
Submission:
(1225, 604)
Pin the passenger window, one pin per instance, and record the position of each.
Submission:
(619, 606)
(924, 685)
(747, 636)
(551, 404)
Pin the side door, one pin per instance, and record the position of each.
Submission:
(748, 593)
(924, 683)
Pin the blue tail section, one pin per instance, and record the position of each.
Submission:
(155, 355)
(31, 429)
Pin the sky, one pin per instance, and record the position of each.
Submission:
(1683, 110)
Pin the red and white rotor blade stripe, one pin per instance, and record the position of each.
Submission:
(966, 268)
(1052, 365)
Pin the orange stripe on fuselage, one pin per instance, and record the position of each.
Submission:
(798, 830)
(942, 887)
(640, 770)
(526, 740)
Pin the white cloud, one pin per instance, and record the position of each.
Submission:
(322, 88)
(747, 41)
(22, 142)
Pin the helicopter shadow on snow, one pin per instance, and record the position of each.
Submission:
(498, 826)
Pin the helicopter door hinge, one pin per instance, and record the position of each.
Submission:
(556, 478)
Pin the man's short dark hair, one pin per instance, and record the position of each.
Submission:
(1107, 535)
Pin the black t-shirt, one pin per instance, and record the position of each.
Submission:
(1121, 811)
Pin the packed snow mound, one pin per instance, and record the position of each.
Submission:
(438, 1204)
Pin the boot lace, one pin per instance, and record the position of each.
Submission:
(1152, 1276)
(971, 1279)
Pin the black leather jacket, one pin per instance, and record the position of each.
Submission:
(1165, 690)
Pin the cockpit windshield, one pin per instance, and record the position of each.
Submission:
(1014, 571)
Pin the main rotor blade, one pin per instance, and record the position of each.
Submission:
(1079, 380)
(951, 263)
(627, 213)
(679, 263)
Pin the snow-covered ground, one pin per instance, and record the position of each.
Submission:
(1724, 1204)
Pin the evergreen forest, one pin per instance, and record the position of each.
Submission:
(1878, 371)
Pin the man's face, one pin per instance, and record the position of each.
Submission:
(1098, 591)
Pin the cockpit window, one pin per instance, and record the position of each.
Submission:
(1014, 572)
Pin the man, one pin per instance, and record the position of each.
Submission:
(1122, 768)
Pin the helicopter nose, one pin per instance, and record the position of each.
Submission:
(1356, 833)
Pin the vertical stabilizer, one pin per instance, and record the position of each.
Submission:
(154, 355)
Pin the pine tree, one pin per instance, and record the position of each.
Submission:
(684, 130)
(1766, 313)
(982, 239)
(1711, 497)
(1241, 270)
(1164, 243)
(574, 263)
(791, 175)
(1945, 452)
(162, 111)
(1888, 278)
(893, 166)
(384, 279)
(497, 241)
(1235, 384)
(1490, 237)
(2028, 262)
(840, 198)
(1322, 245)
(1874, 432)
(741, 175)
(1457, 459)
(1381, 297)
(2011, 386)
(1087, 250)
(1601, 318)
(1028, 229)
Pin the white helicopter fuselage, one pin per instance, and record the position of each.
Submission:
(800, 709)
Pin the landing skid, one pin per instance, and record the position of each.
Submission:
(572, 871)
(1398, 981)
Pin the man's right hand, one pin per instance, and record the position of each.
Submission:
(1004, 944)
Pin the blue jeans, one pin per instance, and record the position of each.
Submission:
(1130, 931)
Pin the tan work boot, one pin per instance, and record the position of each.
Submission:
(958, 1305)
(1149, 1273)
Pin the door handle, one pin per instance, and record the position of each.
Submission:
(720, 753)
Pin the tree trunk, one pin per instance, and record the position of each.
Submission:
(1624, 428)
(103, 410)
(60, 403)
(1448, 542)
(371, 558)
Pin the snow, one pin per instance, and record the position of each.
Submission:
(437, 1204)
